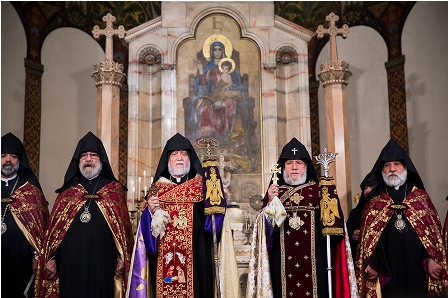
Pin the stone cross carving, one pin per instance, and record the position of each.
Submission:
(275, 170)
(332, 31)
(109, 32)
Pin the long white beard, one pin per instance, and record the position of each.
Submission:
(395, 180)
(9, 171)
(179, 172)
(90, 174)
(297, 181)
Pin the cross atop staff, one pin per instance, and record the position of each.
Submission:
(332, 31)
(325, 159)
(208, 143)
(275, 170)
(109, 32)
(153, 189)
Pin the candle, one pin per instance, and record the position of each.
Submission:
(152, 179)
(138, 189)
(145, 191)
(133, 199)
(144, 178)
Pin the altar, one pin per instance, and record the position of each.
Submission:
(229, 71)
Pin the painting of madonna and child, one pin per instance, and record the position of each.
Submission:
(219, 78)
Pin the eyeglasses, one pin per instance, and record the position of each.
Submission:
(92, 155)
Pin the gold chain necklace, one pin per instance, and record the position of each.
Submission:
(86, 216)
(4, 226)
(400, 224)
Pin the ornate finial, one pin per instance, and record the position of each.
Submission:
(208, 143)
(325, 159)
(275, 170)
(333, 31)
(153, 189)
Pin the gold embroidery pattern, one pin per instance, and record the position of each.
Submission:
(175, 253)
(422, 216)
(297, 246)
(214, 192)
(328, 208)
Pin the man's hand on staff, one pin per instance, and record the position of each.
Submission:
(272, 191)
(50, 269)
(371, 273)
(153, 204)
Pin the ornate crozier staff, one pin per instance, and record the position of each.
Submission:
(325, 159)
(214, 201)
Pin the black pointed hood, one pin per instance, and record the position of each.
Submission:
(296, 150)
(391, 152)
(89, 142)
(178, 142)
(12, 145)
(369, 180)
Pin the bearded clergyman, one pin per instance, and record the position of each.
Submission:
(89, 239)
(173, 253)
(400, 251)
(288, 249)
(24, 217)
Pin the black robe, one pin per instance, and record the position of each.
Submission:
(87, 257)
(17, 253)
(400, 255)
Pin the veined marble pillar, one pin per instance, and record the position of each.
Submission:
(108, 76)
(334, 76)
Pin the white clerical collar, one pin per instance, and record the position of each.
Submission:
(6, 180)
(10, 178)
(178, 179)
(92, 177)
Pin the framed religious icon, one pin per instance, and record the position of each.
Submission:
(219, 78)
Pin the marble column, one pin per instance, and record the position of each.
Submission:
(108, 76)
(334, 77)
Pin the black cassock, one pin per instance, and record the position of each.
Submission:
(87, 257)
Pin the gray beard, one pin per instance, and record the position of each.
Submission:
(397, 181)
(90, 174)
(298, 181)
(9, 171)
(179, 172)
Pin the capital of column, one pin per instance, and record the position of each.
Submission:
(269, 66)
(108, 72)
(334, 72)
(167, 66)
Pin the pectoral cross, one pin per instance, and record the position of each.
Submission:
(332, 31)
(109, 32)
(275, 170)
